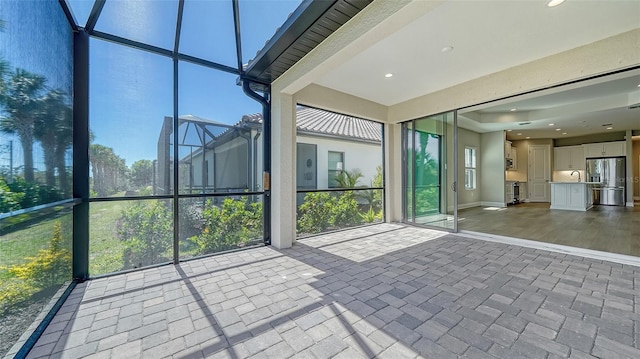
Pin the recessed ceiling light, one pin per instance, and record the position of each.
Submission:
(553, 3)
(388, 75)
(447, 49)
(609, 128)
(519, 134)
(527, 137)
(513, 109)
(558, 129)
(552, 124)
(509, 130)
(638, 85)
(564, 133)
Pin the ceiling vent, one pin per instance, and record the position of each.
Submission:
(634, 106)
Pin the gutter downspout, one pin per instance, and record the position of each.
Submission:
(266, 155)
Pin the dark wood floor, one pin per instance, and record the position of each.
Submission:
(604, 228)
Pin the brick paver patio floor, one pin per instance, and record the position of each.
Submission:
(385, 291)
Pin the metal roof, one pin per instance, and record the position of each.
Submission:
(312, 121)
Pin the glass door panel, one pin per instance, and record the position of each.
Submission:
(429, 171)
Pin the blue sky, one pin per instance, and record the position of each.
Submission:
(131, 91)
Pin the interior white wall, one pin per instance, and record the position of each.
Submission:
(629, 169)
(492, 180)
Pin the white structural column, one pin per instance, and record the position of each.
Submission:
(629, 169)
(283, 169)
(393, 172)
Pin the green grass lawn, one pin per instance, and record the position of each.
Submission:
(16, 247)
(105, 249)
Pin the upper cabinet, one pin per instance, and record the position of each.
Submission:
(507, 149)
(511, 157)
(605, 149)
(569, 158)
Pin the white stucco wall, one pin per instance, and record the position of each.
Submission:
(357, 155)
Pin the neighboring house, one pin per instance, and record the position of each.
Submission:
(218, 157)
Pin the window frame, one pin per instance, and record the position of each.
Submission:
(471, 167)
(334, 172)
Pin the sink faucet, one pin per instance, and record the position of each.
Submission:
(578, 172)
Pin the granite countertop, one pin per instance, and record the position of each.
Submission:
(574, 182)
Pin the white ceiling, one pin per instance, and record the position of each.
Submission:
(489, 36)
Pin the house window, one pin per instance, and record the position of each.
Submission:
(336, 164)
(470, 168)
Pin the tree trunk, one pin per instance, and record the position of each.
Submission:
(62, 171)
(48, 148)
(26, 140)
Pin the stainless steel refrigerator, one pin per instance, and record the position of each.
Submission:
(610, 173)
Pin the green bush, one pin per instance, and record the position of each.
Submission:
(371, 216)
(50, 267)
(315, 213)
(229, 226)
(322, 211)
(25, 194)
(345, 213)
(146, 229)
(9, 201)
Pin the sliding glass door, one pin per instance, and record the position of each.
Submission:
(430, 171)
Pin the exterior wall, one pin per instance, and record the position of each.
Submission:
(231, 165)
(332, 100)
(357, 155)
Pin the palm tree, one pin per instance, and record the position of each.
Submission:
(21, 97)
(64, 139)
(53, 129)
(349, 179)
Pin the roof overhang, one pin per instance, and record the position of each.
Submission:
(310, 24)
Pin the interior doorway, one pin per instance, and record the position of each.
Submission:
(430, 172)
(539, 173)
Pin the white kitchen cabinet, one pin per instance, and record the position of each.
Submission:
(569, 158)
(572, 196)
(514, 159)
(605, 149)
(507, 149)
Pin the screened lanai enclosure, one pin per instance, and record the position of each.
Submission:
(134, 134)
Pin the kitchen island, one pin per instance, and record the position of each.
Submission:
(572, 196)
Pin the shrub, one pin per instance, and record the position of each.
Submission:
(147, 230)
(371, 216)
(9, 201)
(315, 213)
(322, 211)
(14, 291)
(345, 213)
(229, 226)
(50, 267)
